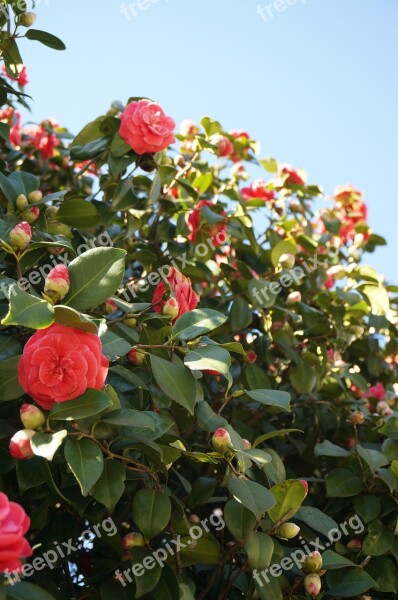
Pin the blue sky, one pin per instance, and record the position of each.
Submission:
(314, 81)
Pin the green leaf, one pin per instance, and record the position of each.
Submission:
(332, 560)
(342, 483)
(167, 588)
(239, 520)
(240, 314)
(146, 579)
(326, 448)
(45, 38)
(302, 378)
(373, 458)
(384, 571)
(269, 164)
(86, 462)
(272, 434)
(94, 277)
(259, 548)
(129, 417)
(151, 511)
(378, 541)
(287, 246)
(271, 398)
(77, 212)
(209, 357)
(5, 132)
(261, 294)
(207, 418)
(65, 315)
(110, 486)
(289, 497)
(270, 590)
(368, 507)
(355, 582)
(27, 310)
(27, 591)
(114, 346)
(255, 497)
(46, 444)
(9, 384)
(176, 382)
(197, 322)
(377, 297)
(9, 347)
(88, 404)
(390, 428)
(316, 519)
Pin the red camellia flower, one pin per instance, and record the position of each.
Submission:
(14, 523)
(180, 289)
(22, 78)
(20, 446)
(59, 363)
(243, 138)
(216, 231)
(293, 176)
(146, 128)
(258, 190)
(376, 391)
(13, 118)
(350, 210)
(43, 141)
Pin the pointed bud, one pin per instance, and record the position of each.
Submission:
(133, 539)
(57, 283)
(20, 446)
(293, 298)
(22, 202)
(246, 444)
(136, 357)
(109, 306)
(171, 308)
(313, 584)
(221, 440)
(20, 236)
(312, 563)
(27, 19)
(287, 531)
(286, 261)
(30, 214)
(35, 197)
(31, 416)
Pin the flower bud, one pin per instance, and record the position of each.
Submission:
(133, 539)
(225, 146)
(20, 236)
(22, 202)
(31, 416)
(286, 261)
(251, 357)
(356, 418)
(171, 308)
(20, 446)
(312, 563)
(354, 544)
(246, 444)
(221, 440)
(136, 357)
(312, 584)
(27, 19)
(50, 212)
(384, 409)
(287, 531)
(130, 321)
(30, 214)
(293, 298)
(109, 306)
(35, 197)
(57, 283)
(56, 228)
(194, 519)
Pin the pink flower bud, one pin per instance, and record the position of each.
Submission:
(305, 484)
(171, 308)
(383, 409)
(287, 531)
(30, 214)
(225, 146)
(20, 447)
(20, 236)
(109, 306)
(312, 584)
(312, 563)
(136, 357)
(354, 544)
(194, 519)
(133, 539)
(293, 298)
(221, 440)
(31, 416)
(57, 283)
(286, 261)
(251, 357)
(246, 444)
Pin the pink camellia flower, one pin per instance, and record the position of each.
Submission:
(224, 145)
(293, 176)
(146, 128)
(377, 391)
(180, 288)
(22, 78)
(20, 236)
(217, 232)
(344, 193)
(221, 440)
(20, 446)
(42, 140)
(243, 138)
(57, 283)
(59, 363)
(188, 129)
(258, 190)
(31, 416)
(14, 523)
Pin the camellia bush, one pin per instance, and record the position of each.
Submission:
(197, 370)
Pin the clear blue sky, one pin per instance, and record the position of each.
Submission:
(316, 83)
